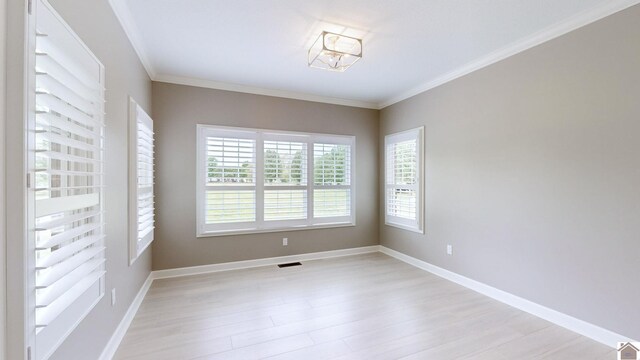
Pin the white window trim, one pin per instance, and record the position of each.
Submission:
(136, 113)
(394, 221)
(274, 226)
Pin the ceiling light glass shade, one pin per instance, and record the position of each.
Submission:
(334, 52)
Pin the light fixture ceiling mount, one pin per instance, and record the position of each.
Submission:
(334, 52)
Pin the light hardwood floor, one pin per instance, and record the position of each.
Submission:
(357, 307)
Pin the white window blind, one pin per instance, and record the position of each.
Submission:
(403, 180)
(258, 180)
(141, 198)
(230, 180)
(285, 180)
(67, 242)
(332, 180)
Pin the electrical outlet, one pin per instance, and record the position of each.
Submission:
(113, 297)
(449, 249)
(285, 241)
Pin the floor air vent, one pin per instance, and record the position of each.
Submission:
(289, 264)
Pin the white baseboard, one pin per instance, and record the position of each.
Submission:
(204, 269)
(112, 346)
(581, 327)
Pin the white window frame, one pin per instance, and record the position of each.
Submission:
(416, 225)
(261, 226)
(138, 245)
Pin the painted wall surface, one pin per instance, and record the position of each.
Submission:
(178, 109)
(3, 254)
(96, 24)
(532, 171)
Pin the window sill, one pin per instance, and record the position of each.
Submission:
(272, 230)
(405, 227)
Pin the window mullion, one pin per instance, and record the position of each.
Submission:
(259, 159)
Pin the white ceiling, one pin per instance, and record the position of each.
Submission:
(409, 46)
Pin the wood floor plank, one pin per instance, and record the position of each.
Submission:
(537, 345)
(367, 306)
(263, 350)
(581, 348)
(330, 350)
(168, 350)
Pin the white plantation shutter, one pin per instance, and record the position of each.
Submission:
(285, 180)
(402, 158)
(403, 179)
(142, 209)
(285, 205)
(332, 180)
(67, 191)
(260, 180)
(285, 163)
(228, 179)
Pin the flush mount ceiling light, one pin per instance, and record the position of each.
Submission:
(334, 52)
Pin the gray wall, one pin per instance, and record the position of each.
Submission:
(177, 109)
(3, 87)
(533, 173)
(96, 24)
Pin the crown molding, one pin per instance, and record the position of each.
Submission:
(577, 21)
(209, 84)
(123, 14)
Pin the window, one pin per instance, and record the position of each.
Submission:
(332, 180)
(285, 181)
(261, 180)
(403, 180)
(141, 199)
(66, 265)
